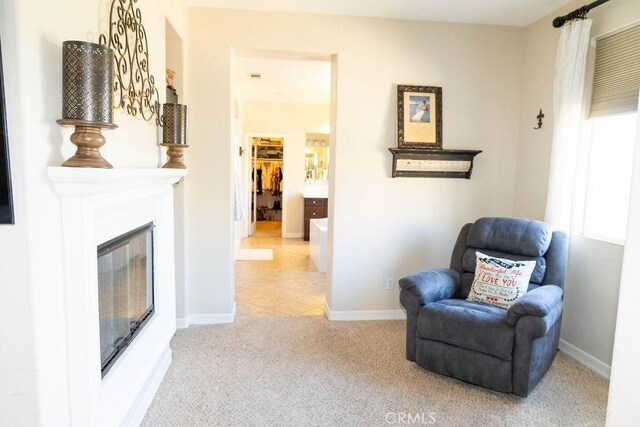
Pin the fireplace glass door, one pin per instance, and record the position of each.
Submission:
(125, 291)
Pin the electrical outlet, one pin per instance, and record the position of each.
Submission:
(388, 283)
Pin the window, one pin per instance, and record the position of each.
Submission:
(613, 122)
(608, 183)
(616, 78)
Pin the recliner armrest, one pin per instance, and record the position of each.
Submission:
(538, 303)
(432, 285)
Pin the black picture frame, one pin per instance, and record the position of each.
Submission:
(424, 131)
(6, 197)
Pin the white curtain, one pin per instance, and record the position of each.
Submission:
(568, 91)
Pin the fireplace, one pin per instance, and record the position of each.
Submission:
(125, 291)
(102, 212)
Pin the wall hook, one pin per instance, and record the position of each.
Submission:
(539, 117)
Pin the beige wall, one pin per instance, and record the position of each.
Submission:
(34, 371)
(175, 51)
(593, 276)
(381, 226)
(294, 120)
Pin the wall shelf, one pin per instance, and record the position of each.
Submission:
(432, 163)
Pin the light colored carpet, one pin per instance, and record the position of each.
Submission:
(299, 371)
(255, 255)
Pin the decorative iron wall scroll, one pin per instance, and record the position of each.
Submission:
(134, 87)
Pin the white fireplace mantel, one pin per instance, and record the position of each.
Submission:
(98, 205)
(82, 182)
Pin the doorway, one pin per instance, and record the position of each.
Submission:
(266, 190)
(283, 111)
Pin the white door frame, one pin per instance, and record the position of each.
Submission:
(247, 226)
(329, 291)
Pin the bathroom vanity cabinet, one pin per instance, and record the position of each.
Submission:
(314, 207)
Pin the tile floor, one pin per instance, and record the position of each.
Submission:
(290, 285)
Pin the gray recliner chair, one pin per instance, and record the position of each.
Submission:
(504, 350)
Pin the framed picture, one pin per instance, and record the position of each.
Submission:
(6, 199)
(419, 117)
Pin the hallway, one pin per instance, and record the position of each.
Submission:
(289, 285)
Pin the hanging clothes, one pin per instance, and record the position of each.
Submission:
(274, 183)
(276, 180)
(259, 182)
(265, 179)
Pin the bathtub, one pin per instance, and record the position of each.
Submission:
(318, 243)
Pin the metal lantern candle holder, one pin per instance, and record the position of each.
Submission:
(174, 134)
(87, 100)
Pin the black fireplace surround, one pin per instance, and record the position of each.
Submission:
(125, 291)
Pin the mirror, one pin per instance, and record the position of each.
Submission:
(317, 157)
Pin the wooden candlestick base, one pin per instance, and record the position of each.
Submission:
(176, 155)
(88, 138)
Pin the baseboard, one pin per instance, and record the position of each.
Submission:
(182, 323)
(211, 319)
(292, 235)
(596, 365)
(364, 314)
(148, 392)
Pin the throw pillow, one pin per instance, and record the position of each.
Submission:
(498, 281)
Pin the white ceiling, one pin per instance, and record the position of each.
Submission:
(495, 12)
(283, 80)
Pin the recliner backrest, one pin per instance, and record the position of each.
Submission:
(515, 239)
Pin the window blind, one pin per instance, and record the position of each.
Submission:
(616, 79)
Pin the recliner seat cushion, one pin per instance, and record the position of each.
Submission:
(467, 365)
(511, 236)
(471, 325)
